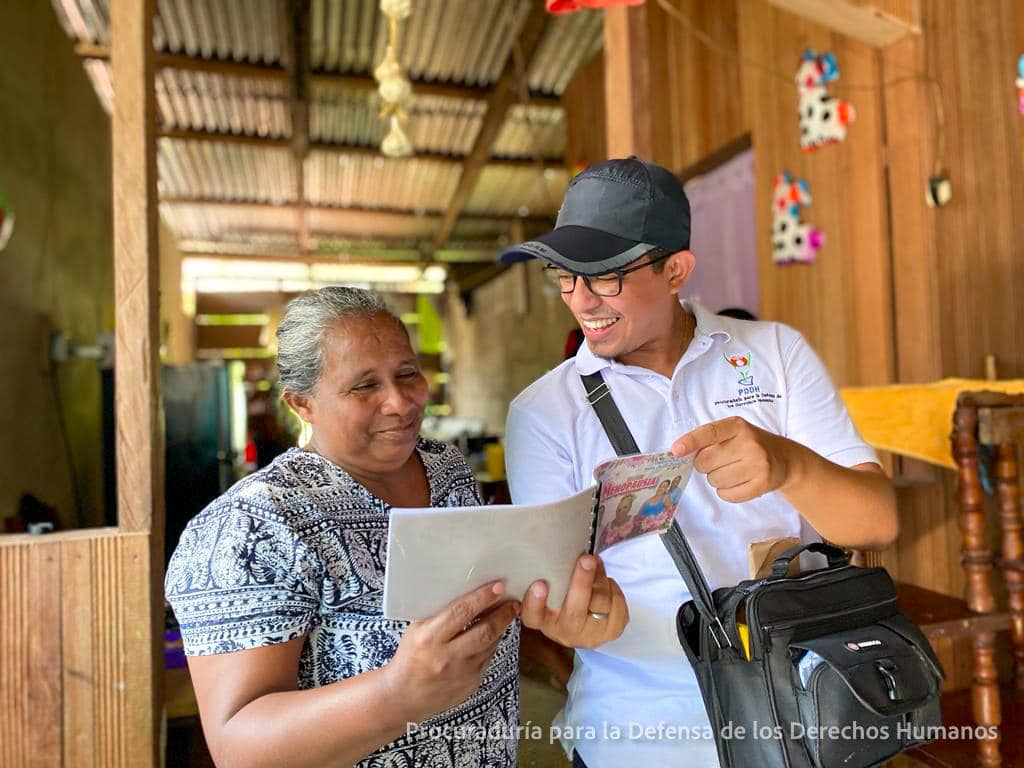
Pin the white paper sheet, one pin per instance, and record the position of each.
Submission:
(436, 555)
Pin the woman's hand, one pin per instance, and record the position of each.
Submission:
(441, 660)
(575, 625)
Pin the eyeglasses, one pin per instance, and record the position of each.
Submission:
(607, 284)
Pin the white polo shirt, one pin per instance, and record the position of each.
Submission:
(635, 701)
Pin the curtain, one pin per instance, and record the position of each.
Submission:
(723, 237)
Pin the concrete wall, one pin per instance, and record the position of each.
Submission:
(514, 333)
(55, 163)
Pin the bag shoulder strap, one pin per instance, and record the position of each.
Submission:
(601, 400)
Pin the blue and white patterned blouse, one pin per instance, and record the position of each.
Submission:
(298, 548)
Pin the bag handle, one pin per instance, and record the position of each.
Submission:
(608, 413)
(836, 557)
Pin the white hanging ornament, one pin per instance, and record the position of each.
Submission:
(396, 143)
(398, 9)
(393, 86)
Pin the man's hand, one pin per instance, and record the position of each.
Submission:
(741, 461)
(590, 591)
(441, 660)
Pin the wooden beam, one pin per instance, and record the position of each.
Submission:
(139, 441)
(296, 32)
(358, 150)
(860, 22)
(627, 83)
(544, 222)
(327, 79)
(504, 95)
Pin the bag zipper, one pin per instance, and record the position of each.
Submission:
(826, 616)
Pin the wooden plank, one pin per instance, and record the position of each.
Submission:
(44, 683)
(910, 145)
(858, 22)
(352, 82)
(136, 260)
(30, 681)
(698, 98)
(583, 100)
(627, 83)
(136, 723)
(81, 689)
(504, 95)
(139, 669)
(865, 284)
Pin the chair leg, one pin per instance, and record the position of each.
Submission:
(1008, 482)
(977, 564)
(985, 704)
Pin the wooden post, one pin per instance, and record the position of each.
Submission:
(140, 462)
(627, 83)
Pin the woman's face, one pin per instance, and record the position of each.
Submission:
(663, 488)
(623, 509)
(368, 405)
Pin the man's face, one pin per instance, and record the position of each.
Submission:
(616, 326)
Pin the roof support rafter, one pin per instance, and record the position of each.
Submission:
(329, 79)
(502, 97)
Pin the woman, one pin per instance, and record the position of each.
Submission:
(277, 584)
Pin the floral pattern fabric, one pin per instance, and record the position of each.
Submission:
(298, 549)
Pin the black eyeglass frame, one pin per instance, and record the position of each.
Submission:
(619, 273)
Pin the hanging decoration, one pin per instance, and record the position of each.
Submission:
(1020, 83)
(823, 117)
(392, 84)
(6, 221)
(571, 6)
(793, 241)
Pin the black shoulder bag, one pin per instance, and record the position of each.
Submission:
(831, 674)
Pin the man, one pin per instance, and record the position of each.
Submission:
(773, 446)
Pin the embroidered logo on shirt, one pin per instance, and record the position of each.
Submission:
(748, 392)
(742, 365)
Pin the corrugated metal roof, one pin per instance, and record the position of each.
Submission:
(464, 42)
(436, 123)
(239, 30)
(570, 40)
(204, 101)
(531, 132)
(222, 171)
(378, 182)
(518, 191)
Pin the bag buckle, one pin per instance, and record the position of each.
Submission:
(721, 628)
(888, 669)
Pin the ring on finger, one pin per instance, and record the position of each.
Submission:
(599, 616)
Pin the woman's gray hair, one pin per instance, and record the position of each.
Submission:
(306, 321)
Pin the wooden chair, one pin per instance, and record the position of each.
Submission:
(997, 420)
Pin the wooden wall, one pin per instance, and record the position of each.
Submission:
(584, 104)
(900, 291)
(842, 302)
(75, 627)
(971, 49)
(697, 105)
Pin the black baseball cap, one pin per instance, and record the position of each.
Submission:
(613, 213)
